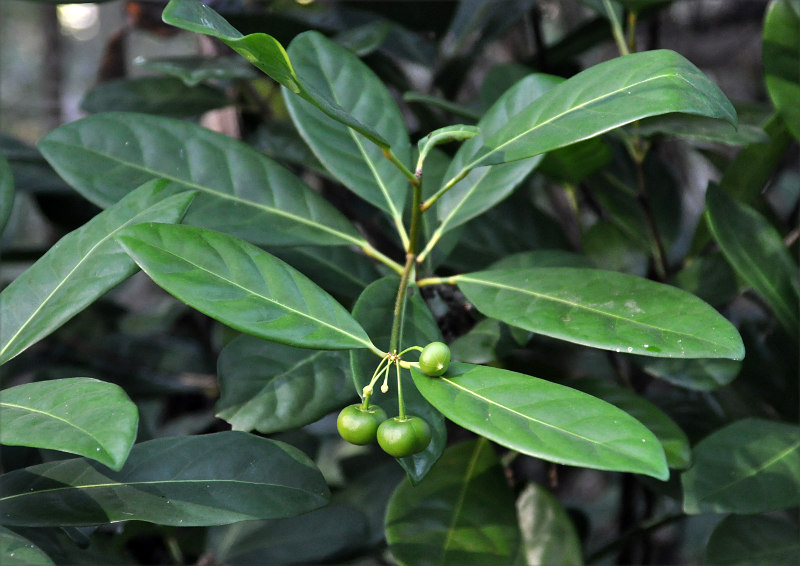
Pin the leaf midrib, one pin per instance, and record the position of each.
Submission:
(461, 496)
(152, 482)
(208, 190)
(253, 292)
(55, 417)
(578, 306)
(356, 137)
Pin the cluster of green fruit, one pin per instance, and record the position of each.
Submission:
(400, 436)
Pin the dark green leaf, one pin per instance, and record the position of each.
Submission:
(357, 163)
(263, 51)
(603, 309)
(374, 310)
(313, 538)
(757, 253)
(193, 70)
(164, 96)
(752, 539)
(242, 286)
(270, 387)
(698, 374)
(239, 190)
(701, 129)
(548, 535)
(749, 466)
(544, 419)
(709, 277)
(365, 39)
(79, 415)
(80, 268)
(573, 163)
(781, 55)
(16, 550)
(481, 189)
(487, 341)
(542, 258)
(604, 97)
(672, 438)
(461, 514)
(6, 192)
(213, 479)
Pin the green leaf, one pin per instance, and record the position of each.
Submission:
(6, 192)
(313, 538)
(750, 466)
(481, 189)
(696, 374)
(360, 165)
(338, 270)
(263, 51)
(163, 96)
(193, 70)
(489, 340)
(602, 98)
(461, 514)
(213, 479)
(603, 309)
(242, 286)
(709, 277)
(80, 268)
(781, 56)
(78, 415)
(240, 191)
(270, 387)
(447, 134)
(753, 539)
(700, 129)
(542, 258)
(669, 434)
(574, 163)
(544, 419)
(757, 253)
(374, 310)
(16, 550)
(548, 535)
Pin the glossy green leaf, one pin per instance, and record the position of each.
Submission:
(756, 251)
(750, 466)
(544, 419)
(193, 70)
(745, 540)
(6, 192)
(16, 550)
(374, 310)
(781, 55)
(338, 270)
(603, 309)
(574, 163)
(696, 374)
(164, 96)
(672, 438)
(242, 286)
(318, 537)
(482, 188)
(78, 415)
(263, 51)
(240, 191)
(548, 535)
(701, 129)
(270, 387)
(461, 514)
(212, 479)
(602, 98)
(80, 268)
(542, 258)
(446, 134)
(359, 164)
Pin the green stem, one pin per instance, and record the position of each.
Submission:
(412, 178)
(401, 408)
(437, 281)
(428, 203)
(367, 248)
(616, 28)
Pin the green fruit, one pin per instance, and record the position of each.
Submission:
(404, 437)
(358, 425)
(434, 359)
